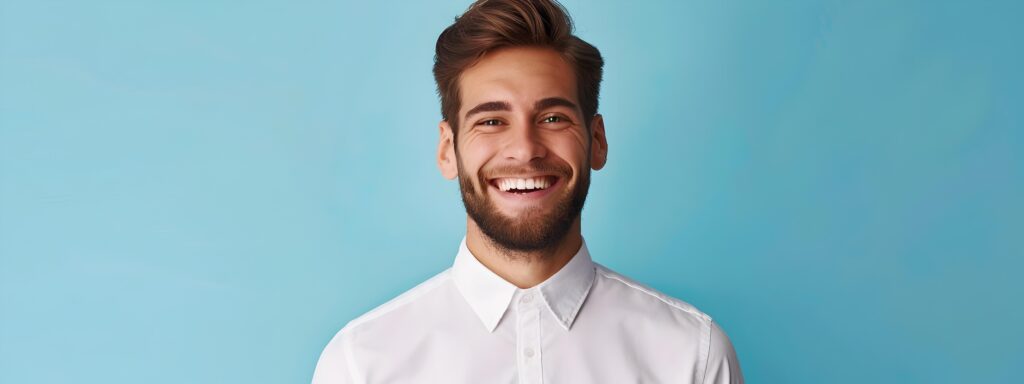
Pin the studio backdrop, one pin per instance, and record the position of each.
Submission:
(206, 191)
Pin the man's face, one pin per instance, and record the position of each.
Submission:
(523, 155)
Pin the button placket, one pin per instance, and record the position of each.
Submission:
(528, 340)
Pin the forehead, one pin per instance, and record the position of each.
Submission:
(518, 75)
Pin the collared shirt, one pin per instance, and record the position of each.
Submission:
(584, 324)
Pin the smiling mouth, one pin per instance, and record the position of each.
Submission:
(523, 185)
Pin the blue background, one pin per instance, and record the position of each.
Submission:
(205, 191)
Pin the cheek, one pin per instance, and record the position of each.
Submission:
(473, 155)
(573, 148)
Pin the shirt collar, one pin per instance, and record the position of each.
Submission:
(490, 296)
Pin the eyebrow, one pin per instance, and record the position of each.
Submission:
(490, 106)
(554, 102)
(494, 106)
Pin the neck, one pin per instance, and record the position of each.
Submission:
(523, 269)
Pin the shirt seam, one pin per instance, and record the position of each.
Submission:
(392, 305)
(705, 339)
(401, 300)
(604, 272)
(705, 350)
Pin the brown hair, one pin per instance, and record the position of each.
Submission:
(491, 24)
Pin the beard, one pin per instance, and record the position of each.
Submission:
(534, 229)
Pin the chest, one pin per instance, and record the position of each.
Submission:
(530, 348)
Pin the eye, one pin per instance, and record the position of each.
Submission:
(556, 121)
(490, 122)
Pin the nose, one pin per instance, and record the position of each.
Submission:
(524, 144)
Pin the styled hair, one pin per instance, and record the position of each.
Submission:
(492, 24)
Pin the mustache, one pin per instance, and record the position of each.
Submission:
(530, 168)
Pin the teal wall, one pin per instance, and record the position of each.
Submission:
(205, 191)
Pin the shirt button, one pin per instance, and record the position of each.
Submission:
(528, 352)
(527, 298)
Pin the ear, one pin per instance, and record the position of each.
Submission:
(598, 143)
(446, 160)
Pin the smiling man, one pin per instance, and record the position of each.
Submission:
(524, 302)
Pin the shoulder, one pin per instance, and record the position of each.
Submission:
(401, 302)
(675, 320)
(337, 362)
(650, 297)
(392, 313)
(722, 367)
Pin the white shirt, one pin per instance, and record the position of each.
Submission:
(584, 324)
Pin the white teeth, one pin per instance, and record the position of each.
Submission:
(523, 184)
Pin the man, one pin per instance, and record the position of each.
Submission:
(523, 302)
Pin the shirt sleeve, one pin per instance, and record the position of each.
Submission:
(722, 367)
(335, 364)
